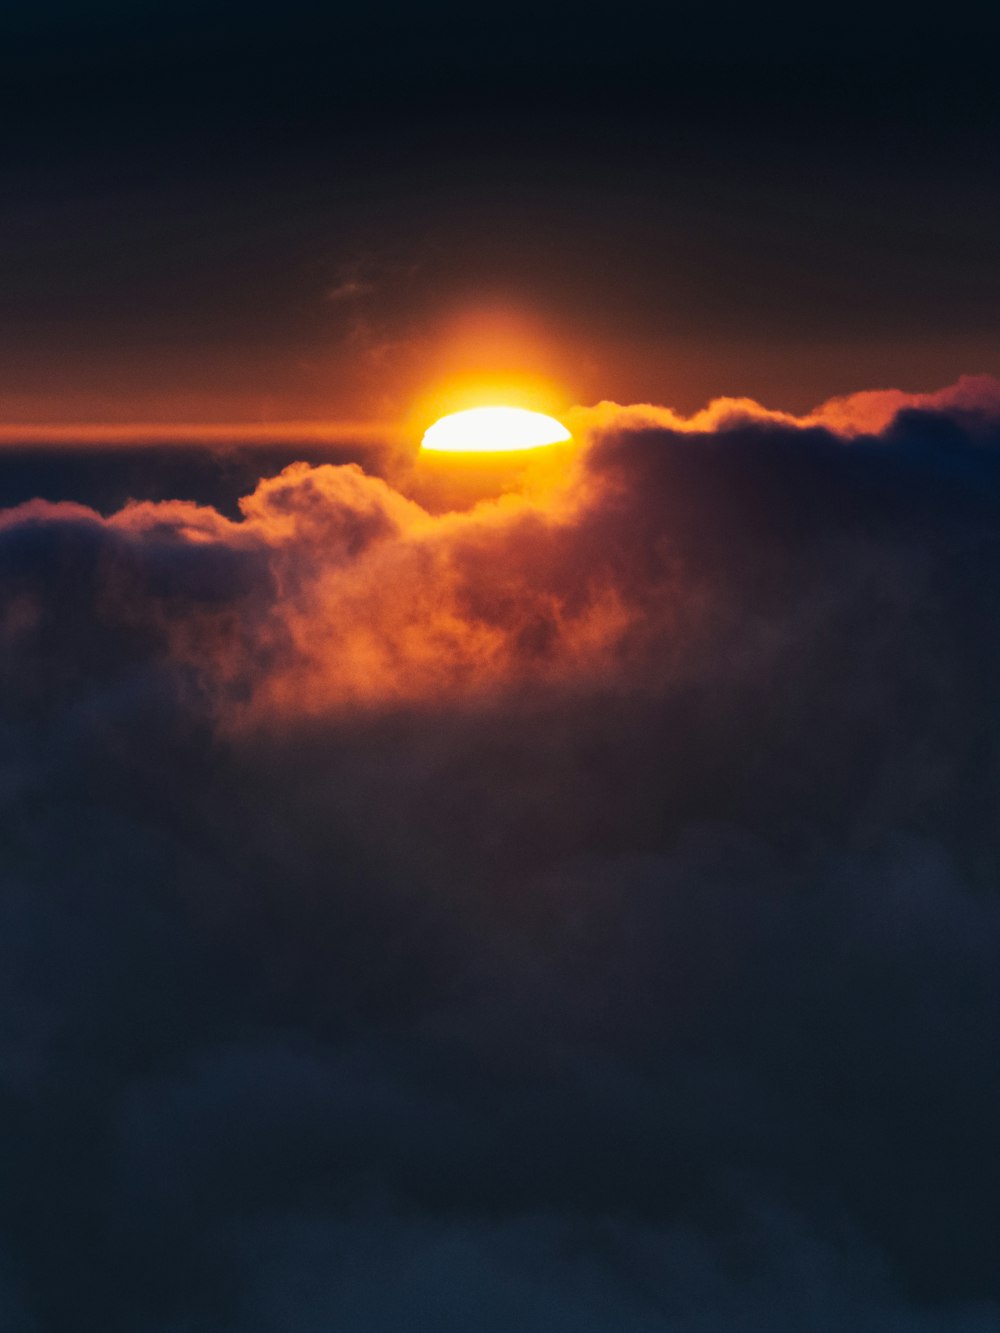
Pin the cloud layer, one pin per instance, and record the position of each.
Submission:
(577, 911)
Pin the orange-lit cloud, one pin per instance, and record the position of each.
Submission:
(375, 600)
(869, 411)
(338, 590)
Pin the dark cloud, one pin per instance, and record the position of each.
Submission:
(576, 912)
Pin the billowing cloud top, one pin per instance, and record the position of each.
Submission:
(576, 911)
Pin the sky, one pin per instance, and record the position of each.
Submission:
(290, 212)
(554, 893)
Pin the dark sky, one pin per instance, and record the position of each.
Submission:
(214, 212)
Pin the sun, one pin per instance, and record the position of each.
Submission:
(493, 430)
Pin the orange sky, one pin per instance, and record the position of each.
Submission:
(363, 386)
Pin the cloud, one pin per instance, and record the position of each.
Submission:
(349, 290)
(578, 910)
(974, 397)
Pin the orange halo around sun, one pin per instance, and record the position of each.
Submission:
(493, 430)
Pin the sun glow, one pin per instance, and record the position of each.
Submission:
(493, 430)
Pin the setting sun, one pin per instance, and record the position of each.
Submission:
(493, 430)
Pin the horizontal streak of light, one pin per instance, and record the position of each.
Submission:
(197, 432)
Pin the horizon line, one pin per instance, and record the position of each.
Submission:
(85, 433)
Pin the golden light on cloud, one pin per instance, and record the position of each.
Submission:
(493, 430)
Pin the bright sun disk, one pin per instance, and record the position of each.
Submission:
(493, 430)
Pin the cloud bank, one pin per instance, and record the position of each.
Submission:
(578, 911)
